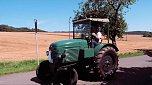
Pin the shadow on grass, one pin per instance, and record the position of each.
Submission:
(146, 51)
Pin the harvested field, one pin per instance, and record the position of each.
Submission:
(16, 46)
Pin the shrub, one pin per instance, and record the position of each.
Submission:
(147, 34)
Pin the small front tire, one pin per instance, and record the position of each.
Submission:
(43, 71)
(66, 76)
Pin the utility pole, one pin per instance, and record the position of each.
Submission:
(36, 38)
(151, 32)
(108, 34)
(126, 34)
(69, 26)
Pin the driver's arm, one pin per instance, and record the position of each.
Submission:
(98, 36)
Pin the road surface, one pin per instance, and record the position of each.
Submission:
(132, 71)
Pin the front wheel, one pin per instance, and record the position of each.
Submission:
(44, 72)
(66, 76)
(107, 62)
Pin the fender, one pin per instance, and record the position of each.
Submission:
(111, 45)
(99, 47)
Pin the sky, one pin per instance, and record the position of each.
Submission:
(54, 15)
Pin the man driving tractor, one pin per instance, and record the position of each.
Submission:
(96, 37)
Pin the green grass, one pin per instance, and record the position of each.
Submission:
(129, 54)
(18, 66)
(31, 65)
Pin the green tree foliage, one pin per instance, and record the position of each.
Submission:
(6, 28)
(147, 34)
(111, 9)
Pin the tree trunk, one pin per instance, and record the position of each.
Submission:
(115, 24)
(114, 40)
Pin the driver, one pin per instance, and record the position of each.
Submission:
(96, 37)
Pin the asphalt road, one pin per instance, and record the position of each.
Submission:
(132, 71)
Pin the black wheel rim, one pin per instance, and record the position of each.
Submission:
(107, 64)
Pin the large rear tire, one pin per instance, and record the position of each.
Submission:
(107, 62)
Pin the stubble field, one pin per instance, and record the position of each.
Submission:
(17, 46)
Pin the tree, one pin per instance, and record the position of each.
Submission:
(111, 9)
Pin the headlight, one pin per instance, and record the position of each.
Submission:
(48, 53)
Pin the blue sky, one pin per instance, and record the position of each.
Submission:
(53, 15)
(139, 17)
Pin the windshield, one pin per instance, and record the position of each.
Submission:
(81, 30)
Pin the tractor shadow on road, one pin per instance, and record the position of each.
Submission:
(132, 76)
(124, 76)
(36, 80)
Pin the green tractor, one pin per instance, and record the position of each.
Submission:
(69, 58)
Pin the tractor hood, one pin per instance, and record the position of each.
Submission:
(70, 48)
(70, 43)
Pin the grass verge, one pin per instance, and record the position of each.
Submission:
(30, 65)
(18, 66)
(130, 54)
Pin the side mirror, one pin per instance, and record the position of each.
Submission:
(47, 53)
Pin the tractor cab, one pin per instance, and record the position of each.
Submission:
(83, 29)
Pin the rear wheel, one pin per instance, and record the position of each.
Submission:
(107, 62)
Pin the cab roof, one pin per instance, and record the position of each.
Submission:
(91, 19)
